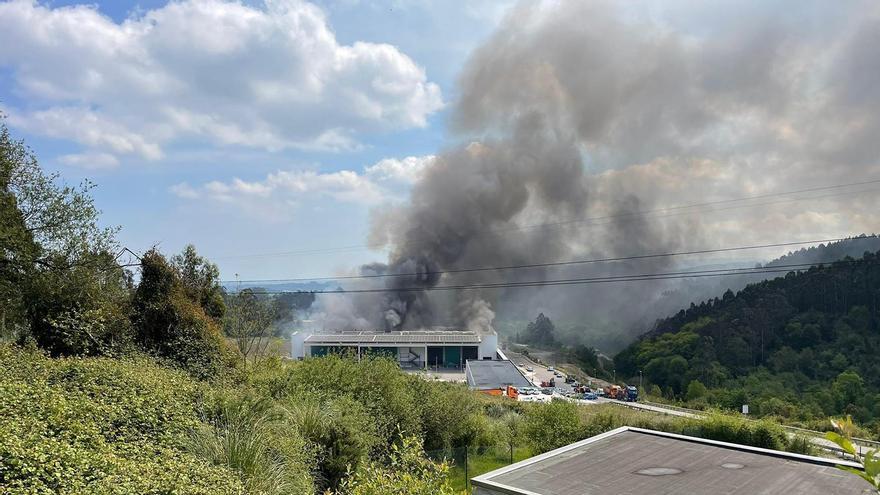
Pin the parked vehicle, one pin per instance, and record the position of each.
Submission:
(550, 369)
(590, 396)
(569, 379)
(530, 369)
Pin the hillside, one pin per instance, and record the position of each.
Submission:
(802, 346)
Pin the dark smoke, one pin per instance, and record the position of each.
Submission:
(577, 110)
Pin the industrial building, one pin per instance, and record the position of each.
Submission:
(636, 461)
(437, 348)
(494, 376)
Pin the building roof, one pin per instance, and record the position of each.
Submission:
(488, 375)
(637, 461)
(355, 337)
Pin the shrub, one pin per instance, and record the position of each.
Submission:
(550, 426)
(98, 425)
(254, 438)
(408, 472)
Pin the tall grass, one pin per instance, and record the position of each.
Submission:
(253, 437)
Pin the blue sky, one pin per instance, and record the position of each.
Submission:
(258, 127)
(151, 179)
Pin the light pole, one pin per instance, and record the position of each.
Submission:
(614, 376)
(640, 379)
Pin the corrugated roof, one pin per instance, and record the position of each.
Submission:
(636, 461)
(403, 337)
(488, 375)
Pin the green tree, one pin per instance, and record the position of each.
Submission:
(540, 332)
(695, 390)
(59, 282)
(248, 320)
(171, 324)
(201, 280)
(19, 248)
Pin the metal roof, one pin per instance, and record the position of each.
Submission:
(402, 337)
(636, 461)
(487, 375)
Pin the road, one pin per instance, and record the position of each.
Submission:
(541, 373)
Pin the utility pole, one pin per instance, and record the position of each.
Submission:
(640, 379)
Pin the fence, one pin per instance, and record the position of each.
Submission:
(467, 462)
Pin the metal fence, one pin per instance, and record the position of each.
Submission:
(468, 462)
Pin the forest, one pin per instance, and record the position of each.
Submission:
(800, 347)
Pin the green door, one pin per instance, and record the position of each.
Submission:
(452, 356)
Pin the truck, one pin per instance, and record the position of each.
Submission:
(632, 394)
(549, 384)
(512, 392)
(615, 392)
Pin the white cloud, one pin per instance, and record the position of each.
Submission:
(380, 182)
(407, 170)
(270, 77)
(91, 161)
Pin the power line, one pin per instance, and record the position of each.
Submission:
(547, 264)
(636, 215)
(583, 281)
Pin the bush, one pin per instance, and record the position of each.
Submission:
(550, 426)
(254, 438)
(77, 425)
(408, 472)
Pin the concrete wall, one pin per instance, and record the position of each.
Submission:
(297, 349)
(488, 346)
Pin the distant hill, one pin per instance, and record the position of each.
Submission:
(803, 346)
(288, 286)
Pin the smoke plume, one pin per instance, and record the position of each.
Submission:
(576, 120)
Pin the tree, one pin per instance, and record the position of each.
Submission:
(171, 324)
(587, 357)
(201, 280)
(59, 281)
(695, 390)
(248, 320)
(540, 332)
(19, 248)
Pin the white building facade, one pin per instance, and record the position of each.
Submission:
(412, 349)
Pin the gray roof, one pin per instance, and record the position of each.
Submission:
(486, 375)
(635, 461)
(355, 337)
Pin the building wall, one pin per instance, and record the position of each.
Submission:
(489, 347)
(297, 349)
(480, 490)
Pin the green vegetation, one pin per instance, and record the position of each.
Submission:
(870, 461)
(801, 347)
(109, 386)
